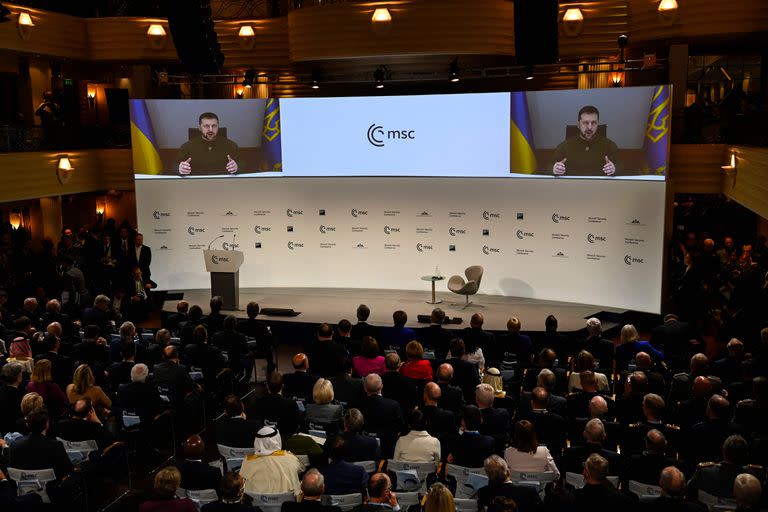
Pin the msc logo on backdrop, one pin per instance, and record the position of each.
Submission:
(291, 212)
(424, 247)
(556, 218)
(391, 229)
(193, 230)
(456, 231)
(491, 250)
(377, 135)
(592, 238)
(491, 215)
(356, 213)
(524, 234)
(158, 214)
(218, 259)
(229, 246)
(295, 245)
(629, 259)
(325, 229)
(261, 229)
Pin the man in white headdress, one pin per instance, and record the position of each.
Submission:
(271, 470)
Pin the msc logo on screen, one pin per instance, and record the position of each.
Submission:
(556, 218)
(295, 245)
(325, 229)
(291, 212)
(357, 213)
(378, 136)
(218, 259)
(592, 238)
(629, 259)
(491, 215)
(261, 229)
(456, 231)
(524, 234)
(424, 247)
(158, 214)
(391, 229)
(193, 230)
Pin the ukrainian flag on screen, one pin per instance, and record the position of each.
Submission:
(272, 159)
(656, 139)
(521, 157)
(146, 159)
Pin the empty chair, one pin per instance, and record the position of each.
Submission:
(468, 480)
(78, 451)
(234, 456)
(422, 469)
(469, 287)
(32, 481)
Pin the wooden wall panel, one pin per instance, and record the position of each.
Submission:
(748, 185)
(125, 39)
(53, 34)
(604, 21)
(422, 27)
(695, 168)
(267, 49)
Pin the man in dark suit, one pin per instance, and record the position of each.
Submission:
(495, 421)
(599, 347)
(475, 337)
(362, 328)
(451, 397)
(673, 337)
(397, 386)
(273, 408)
(176, 320)
(11, 394)
(435, 337)
(598, 494)
(465, 373)
(647, 467)
(312, 488)
(200, 354)
(550, 427)
(515, 344)
(342, 477)
(62, 367)
(299, 384)
(195, 474)
(99, 315)
(119, 372)
(672, 499)
(382, 416)
(552, 340)
(381, 497)
(84, 425)
(499, 484)
(440, 423)
(547, 358)
(357, 446)
(471, 448)
(259, 331)
(37, 451)
(53, 314)
(141, 256)
(173, 375)
(138, 301)
(578, 401)
(140, 397)
(327, 356)
(235, 429)
(214, 321)
(703, 440)
(347, 390)
(594, 434)
(93, 349)
(629, 408)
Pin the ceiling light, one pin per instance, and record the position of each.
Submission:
(573, 15)
(667, 5)
(381, 15)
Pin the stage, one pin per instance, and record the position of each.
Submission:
(330, 305)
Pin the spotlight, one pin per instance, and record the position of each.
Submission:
(250, 77)
(453, 74)
(315, 84)
(528, 72)
(378, 77)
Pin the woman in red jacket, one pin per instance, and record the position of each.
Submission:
(415, 367)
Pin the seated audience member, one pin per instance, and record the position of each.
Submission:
(747, 492)
(347, 389)
(577, 403)
(585, 361)
(173, 375)
(439, 422)
(83, 425)
(119, 372)
(327, 355)
(167, 482)
(299, 384)
(214, 321)
(526, 454)
(492, 377)
(232, 343)
(274, 407)
(398, 386)
(517, 345)
(93, 349)
(397, 336)
(83, 386)
(201, 354)
(358, 446)
(370, 360)
(672, 499)
(495, 420)
(653, 411)
(235, 429)
(417, 445)
(629, 408)
(362, 328)
(342, 477)
(232, 491)
(439, 499)
(471, 448)
(594, 435)
(465, 374)
(595, 344)
(312, 490)
(415, 367)
(140, 397)
(383, 416)
(380, 495)
(630, 345)
(717, 478)
(42, 383)
(550, 427)
(476, 340)
(547, 360)
(31, 402)
(271, 470)
(435, 337)
(37, 450)
(701, 442)
(196, 475)
(500, 484)
(176, 320)
(299, 443)
(323, 411)
(451, 396)
(598, 494)
(646, 467)
(194, 319)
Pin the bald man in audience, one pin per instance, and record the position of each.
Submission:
(383, 416)
(440, 422)
(299, 384)
(598, 494)
(672, 499)
(747, 492)
(452, 397)
(703, 440)
(594, 435)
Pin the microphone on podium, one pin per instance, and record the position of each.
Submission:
(220, 236)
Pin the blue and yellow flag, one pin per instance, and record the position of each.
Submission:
(272, 159)
(146, 159)
(521, 156)
(656, 140)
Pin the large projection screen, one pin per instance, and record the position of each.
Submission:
(315, 201)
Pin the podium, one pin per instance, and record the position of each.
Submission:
(224, 267)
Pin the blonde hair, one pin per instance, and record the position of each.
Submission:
(494, 380)
(584, 361)
(514, 324)
(322, 392)
(414, 350)
(439, 499)
(41, 372)
(629, 334)
(167, 480)
(82, 379)
(32, 402)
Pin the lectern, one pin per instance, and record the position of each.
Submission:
(224, 267)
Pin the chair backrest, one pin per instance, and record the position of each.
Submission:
(130, 419)
(716, 502)
(78, 451)
(304, 459)
(474, 273)
(30, 481)
(422, 468)
(468, 480)
(271, 502)
(465, 505)
(577, 480)
(345, 501)
(642, 489)
(368, 465)
(543, 477)
(234, 455)
(406, 499)
(200, 498)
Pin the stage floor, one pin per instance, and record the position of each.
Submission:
(333, 304)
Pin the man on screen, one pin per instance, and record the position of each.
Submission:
(209, 153)
(589, 153)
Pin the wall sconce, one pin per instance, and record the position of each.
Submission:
(617, 79)
(64, 169)
(15, 219)
(381, 15)
(246, 31)
(24, 25)
(156, 35)
(101, 207)
(90, 92)
(730, 165)
(246, 37)
(668, 11)
(239, 91)
(667, 5)
(573, 21)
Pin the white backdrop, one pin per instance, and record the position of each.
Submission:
(590, 241)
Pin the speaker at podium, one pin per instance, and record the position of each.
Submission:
(224, 267)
